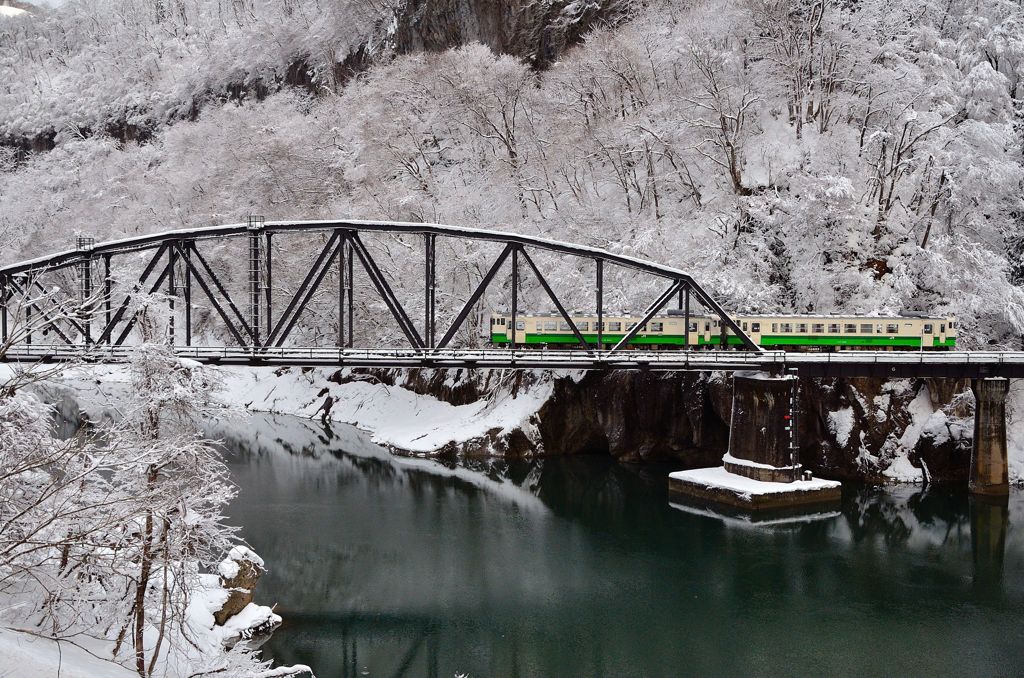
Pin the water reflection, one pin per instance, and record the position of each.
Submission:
(581, 567)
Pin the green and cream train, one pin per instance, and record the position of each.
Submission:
(778, 332)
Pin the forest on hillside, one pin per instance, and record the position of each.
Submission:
(795, 156)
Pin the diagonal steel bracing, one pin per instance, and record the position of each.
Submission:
(394, 305)
(652, 310)
(108, 329)
(307, 289)
(554, 298)
(239, 318)
(475, 296)
(50, 322)
(195, 274)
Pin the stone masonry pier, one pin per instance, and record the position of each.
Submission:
(989, 469)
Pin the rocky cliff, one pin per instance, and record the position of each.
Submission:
(850, 429)
(536, 31)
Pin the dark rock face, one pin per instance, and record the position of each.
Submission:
(848, 429)
(536, 31)
(637, 416)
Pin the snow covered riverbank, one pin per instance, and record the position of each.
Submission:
(890, 431)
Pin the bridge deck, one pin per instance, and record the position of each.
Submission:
(952, 364)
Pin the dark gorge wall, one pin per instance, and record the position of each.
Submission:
(849, 429)
(536, 31)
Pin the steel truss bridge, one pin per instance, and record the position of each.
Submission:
(84, 303)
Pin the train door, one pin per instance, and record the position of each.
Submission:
(928, 334)
(753, 330)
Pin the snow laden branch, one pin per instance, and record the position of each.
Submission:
(107, 537)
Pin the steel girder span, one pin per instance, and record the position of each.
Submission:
(83, 298)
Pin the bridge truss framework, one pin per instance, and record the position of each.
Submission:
(95, 315)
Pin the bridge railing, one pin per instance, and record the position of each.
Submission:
(765, 360)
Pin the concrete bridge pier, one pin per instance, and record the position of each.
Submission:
(989, 473)
(762, 433)
(761, 469)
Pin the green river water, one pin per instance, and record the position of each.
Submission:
(388, 566)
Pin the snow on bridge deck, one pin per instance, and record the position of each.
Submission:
(896, 364)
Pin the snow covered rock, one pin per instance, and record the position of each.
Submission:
(239, 574)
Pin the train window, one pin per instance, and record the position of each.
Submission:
(692, 327)
(550, 325)
(833, 328)
(657, 327)
(775, 327)
(892, 328)
(707, 327)
(801, 328)
(494, 321)
(614, 326)
(787, 328)
(583, 326)
(501, 322)
(865, 328)
(942, 328)
(818, 328)
(540, 326)
(744, 326)
(563, 326)
(520, 325)
(755, 327)
(952, 324)
(630, 326)
(927, 328)
(849, 328)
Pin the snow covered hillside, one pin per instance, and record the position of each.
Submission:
(795, 156)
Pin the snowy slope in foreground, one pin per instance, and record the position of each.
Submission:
(35, 656)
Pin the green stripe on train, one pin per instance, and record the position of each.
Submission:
(766, 340)
(903, 342)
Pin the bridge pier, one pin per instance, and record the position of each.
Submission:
(761, 430)
(761, 469)
(989, 472)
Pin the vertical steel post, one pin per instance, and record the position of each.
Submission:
(3, 310)
(171, 291)
(686, 317)
(254, 281)
(185, 253)
(515, 296)
(429, 289)
(341, 290)
(106, 294)
(28, 310)
(600, 304)
(351, 292)
(86, 273)
(269, 272)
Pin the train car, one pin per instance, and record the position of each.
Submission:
(837, 332)
(665, 330)
(778, 332)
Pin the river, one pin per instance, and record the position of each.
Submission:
(386, 566)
